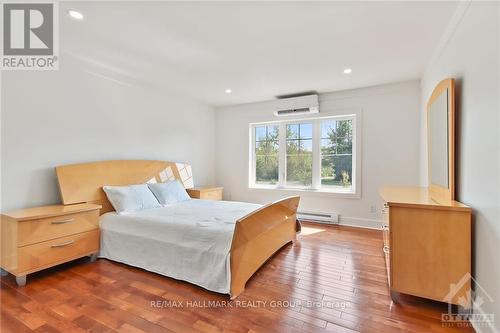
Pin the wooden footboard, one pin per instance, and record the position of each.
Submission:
(257, 236)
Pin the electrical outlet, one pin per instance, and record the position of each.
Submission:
(373, 209)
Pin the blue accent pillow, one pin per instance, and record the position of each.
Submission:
(169, 193)
(126, 199)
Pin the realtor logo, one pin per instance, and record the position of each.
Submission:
(30, 39)
(468, 301)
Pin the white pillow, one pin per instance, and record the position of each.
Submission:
(169, 193)
(126, 199)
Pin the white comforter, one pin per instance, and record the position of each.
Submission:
(188, 241)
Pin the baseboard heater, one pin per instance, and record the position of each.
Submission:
(331, 218)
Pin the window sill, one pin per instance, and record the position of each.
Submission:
(320, 192)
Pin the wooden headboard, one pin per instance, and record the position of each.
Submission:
(83, 182)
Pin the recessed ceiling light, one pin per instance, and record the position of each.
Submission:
(347, 71)
(228, 91)
(74, 14)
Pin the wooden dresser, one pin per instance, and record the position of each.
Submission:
(207, 193)
(37, 238)
(427, 245)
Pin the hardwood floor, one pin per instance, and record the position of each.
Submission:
(332, 280)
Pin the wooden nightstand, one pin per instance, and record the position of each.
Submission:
(37, 238)
(206, 192)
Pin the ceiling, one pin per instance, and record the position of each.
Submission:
(257, 49)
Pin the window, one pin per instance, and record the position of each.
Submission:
(336, 153)
(313, 154)
(299, 154)
(266, 154)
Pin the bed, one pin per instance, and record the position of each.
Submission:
(217, 245)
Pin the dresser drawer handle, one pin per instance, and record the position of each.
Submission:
(63, 221)
(385, 249)
(64, 244)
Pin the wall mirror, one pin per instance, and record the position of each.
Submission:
(441, 141)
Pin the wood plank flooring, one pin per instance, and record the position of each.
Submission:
(332, 280)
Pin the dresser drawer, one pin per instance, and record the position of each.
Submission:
(385, 224)
(385, 234)
(53, 252)
(387, 257)
(385, 214)
(35, 231)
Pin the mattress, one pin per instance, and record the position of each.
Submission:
(188, 241)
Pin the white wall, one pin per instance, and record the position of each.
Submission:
(390, 148)
(471, 55)
(78, 115)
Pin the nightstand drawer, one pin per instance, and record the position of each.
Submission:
(35, 231)
(53, 252)
(206, 193)
(211, 195)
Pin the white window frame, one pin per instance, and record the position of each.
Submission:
(354, 190)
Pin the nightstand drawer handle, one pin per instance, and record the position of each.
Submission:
(64, 244)
(63, 221)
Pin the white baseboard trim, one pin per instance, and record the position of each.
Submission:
(360, 222)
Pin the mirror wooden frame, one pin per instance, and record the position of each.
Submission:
(440, 193)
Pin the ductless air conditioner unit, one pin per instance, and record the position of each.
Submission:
(297, 105)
